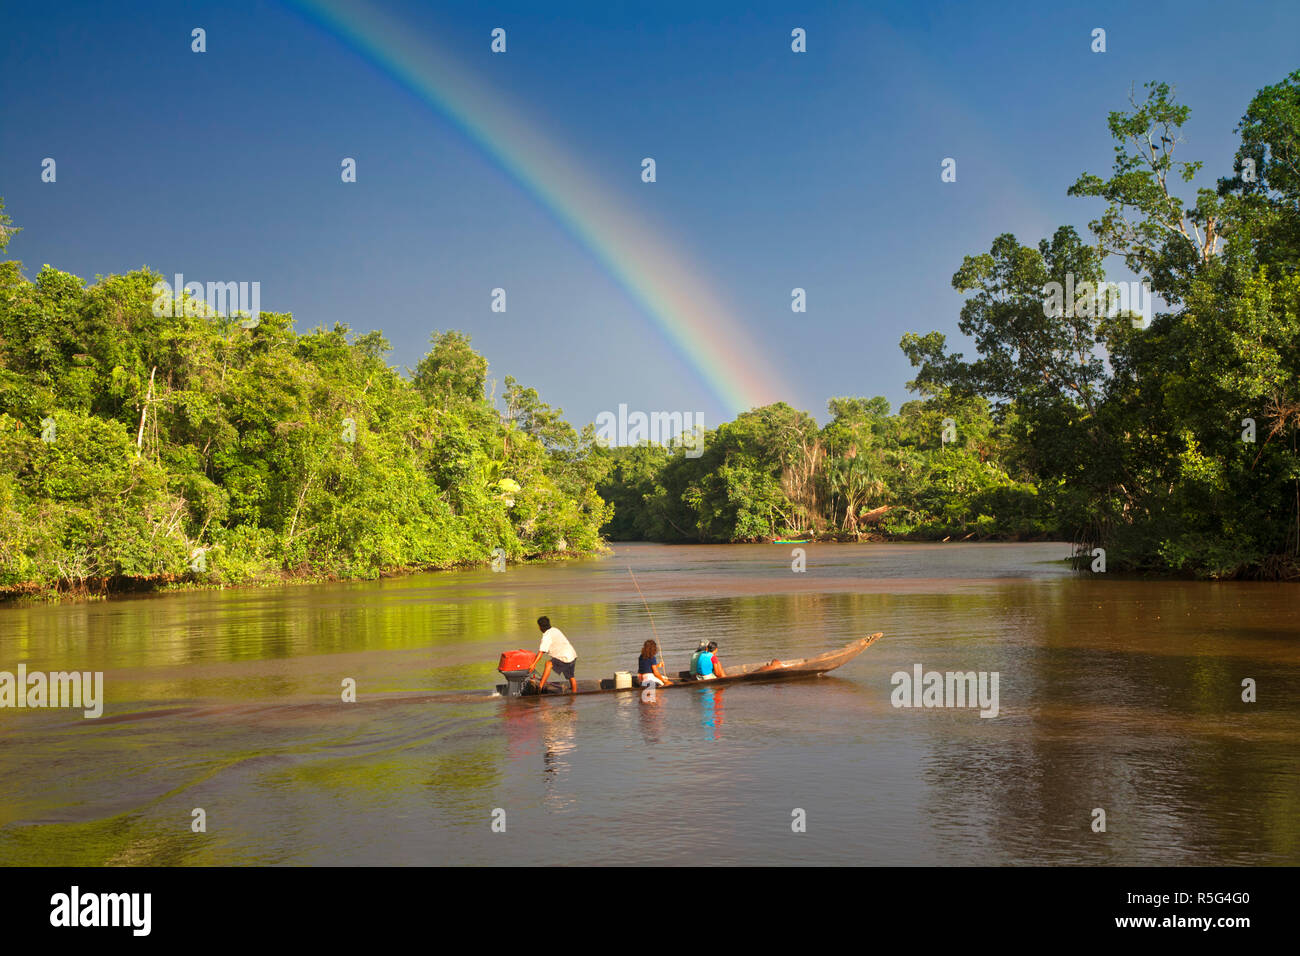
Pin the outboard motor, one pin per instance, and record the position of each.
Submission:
(516, 667)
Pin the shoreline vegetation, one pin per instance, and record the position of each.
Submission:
(146, 449)
(98, 590)
(1161, 442)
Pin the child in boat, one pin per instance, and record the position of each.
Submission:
(709, 665)
(648, 667)
(695, 658)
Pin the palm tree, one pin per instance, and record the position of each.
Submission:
(851, 478)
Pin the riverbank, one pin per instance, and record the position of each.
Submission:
(1275, 568)
(1082, 560)
(100, 589)
(104, 589)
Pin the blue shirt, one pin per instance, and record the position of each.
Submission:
(646, 665)
(706, 664)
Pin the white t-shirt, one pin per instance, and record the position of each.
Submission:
(557, 645)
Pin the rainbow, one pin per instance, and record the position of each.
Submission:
(701, 329)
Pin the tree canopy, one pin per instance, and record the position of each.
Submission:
(135, 448)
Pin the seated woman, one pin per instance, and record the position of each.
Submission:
(648, 667)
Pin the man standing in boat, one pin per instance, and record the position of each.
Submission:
(562, 654)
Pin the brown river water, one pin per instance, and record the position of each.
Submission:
(1123, 695)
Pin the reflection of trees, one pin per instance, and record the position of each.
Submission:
(467, 773)
(130, 839)
(1123, 695)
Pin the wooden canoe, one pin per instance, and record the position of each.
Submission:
(762, 671)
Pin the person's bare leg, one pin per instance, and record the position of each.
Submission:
(573, 685)
(546, 673)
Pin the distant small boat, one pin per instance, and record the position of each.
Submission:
(762, 671)
(792, 541)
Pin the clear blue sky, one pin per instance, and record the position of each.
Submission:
(776, 170)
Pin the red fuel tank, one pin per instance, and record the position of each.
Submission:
(516, 661)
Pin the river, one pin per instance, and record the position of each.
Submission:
(1119, 695)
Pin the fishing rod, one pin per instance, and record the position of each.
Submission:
(653, 630)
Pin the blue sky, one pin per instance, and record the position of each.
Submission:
(775, 170)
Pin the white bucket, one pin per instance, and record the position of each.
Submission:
(622, 680)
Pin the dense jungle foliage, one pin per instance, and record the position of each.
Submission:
(199, 447)
(1171, 444)
(136, 449)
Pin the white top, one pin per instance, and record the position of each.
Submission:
(557, 645)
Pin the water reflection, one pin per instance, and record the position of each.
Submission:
(711, 715)
(559, 731)
(650, 716)
(559, 726)
(1117, 694)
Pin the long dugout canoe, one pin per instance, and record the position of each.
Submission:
(762, 671)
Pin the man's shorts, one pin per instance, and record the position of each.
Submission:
(564, 669)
